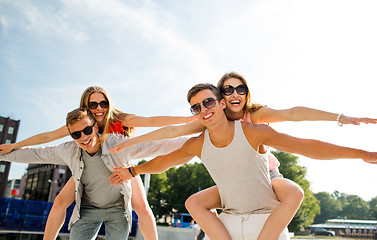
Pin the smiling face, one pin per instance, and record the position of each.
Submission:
(235, 102)
(89, 143)
(99, 113)
(208, 116)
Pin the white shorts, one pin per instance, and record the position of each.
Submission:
(246, 226)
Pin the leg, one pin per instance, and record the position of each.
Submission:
(199, 206)
(87, 227)
(56, 216)
(290, 196)
(140, 204)
(116, 224)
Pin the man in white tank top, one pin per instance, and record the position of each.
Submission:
(229, 150)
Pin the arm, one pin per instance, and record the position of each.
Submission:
(311, 148)
(132, 120)
(50, 155)
(162, 133)
(156, 165)
(36, 139)
(269, 115)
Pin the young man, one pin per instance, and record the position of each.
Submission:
(229, 150)
(96, 200)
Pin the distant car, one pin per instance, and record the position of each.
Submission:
(323, 232)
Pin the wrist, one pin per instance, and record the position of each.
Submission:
(338, 119)
(132, 171)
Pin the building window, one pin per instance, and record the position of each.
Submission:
(8, 141)
(2, 168)
(10, 130)
(1, 127)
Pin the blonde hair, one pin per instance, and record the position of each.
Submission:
(76, 115)
(112, 115)
(249, 106)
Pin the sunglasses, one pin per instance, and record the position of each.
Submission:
(208, 103)
(229, 90)
(87, 131)
(102, 104)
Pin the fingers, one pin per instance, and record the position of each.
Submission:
(118, 148)
(116, 180)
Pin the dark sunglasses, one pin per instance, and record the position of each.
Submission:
(87, 131)
(102, 104)
(208, 103)
(229, 90)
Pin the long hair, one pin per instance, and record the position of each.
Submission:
(250, 106)
(112, 115)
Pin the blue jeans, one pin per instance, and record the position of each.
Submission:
(91, 218)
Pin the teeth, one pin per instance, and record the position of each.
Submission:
(99, 114)
(207, 116)
(235, 102)
(86, 143)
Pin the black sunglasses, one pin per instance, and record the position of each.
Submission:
(102, 104)
(87, 131)
(208, 103)
(229, 89)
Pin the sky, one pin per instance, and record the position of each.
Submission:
(147, 54)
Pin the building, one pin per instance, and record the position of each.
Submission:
(349, 228)
(44, 181)
(8, 134)
(13, 188)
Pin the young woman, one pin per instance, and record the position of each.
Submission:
(237, 96)
(109, 120)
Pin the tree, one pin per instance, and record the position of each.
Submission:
(330, 207)
(185, 181)
(373, 208)
(310, 206)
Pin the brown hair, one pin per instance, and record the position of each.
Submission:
(111, 116)
(78, 114)
(203, 86)
(249, 106)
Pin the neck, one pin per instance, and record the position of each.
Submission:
(221, 135)
(234, 115)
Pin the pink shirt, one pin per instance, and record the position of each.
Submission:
(273, 162)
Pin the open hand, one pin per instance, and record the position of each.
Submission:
(356, 121)
(119, 176)
(6, 148)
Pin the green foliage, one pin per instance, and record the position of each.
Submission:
(169, 190)
(290, 169)
(342, 205)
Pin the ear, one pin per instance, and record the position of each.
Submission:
(222, 103)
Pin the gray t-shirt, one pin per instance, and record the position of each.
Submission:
(97, 189)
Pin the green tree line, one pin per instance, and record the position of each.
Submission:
(169, 190)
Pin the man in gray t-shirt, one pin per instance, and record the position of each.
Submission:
(91, 164)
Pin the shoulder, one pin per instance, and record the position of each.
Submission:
(194, 145)
(257, 116)
(251, 129)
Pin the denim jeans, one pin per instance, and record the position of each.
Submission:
(91, 218)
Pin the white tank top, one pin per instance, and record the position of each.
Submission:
(241, 175)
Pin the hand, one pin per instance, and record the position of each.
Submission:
(356, 121)
(120, 175)
(6, 148)
(370, 157)
(120, 147)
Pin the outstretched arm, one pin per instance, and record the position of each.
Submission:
(269, 115)
(36, 139)
(156, 165)
(312, 148)
(162, 133)
(133, 120)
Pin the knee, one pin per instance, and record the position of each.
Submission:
(61, 203)
(143, 210)
(192, 203)
(296, 197)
